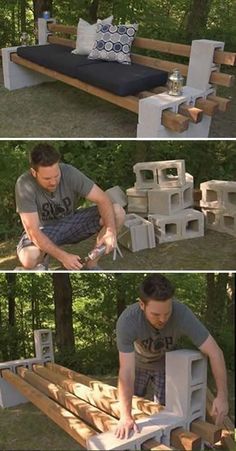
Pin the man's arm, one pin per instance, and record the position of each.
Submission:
(106, 211)
(31, 225)
(216, 357)
(126, 391)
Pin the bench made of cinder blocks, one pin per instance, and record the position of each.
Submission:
(159, 114)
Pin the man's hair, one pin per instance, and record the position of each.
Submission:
(43, 155)
(157, 288)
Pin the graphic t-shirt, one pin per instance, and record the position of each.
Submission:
(135, 333)
(31, 197)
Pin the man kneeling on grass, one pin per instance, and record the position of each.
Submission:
(146, 330)
(47, 198)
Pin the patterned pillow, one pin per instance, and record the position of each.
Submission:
(86, 35)
(113, 43)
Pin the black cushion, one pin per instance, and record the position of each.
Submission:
(121, 79)
(55, 57)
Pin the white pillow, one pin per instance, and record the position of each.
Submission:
(86, 35)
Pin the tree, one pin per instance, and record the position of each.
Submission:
(63, 312)
(197, 19)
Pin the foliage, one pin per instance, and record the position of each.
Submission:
(110, 163)
(163, 19)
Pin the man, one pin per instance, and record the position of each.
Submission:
(148, 329)
(47, 198)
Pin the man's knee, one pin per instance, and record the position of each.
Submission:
(119, 215)
(29, 257)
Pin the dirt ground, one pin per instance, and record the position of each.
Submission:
(57, 110)
(214, 251)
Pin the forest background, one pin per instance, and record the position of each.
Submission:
(170, 20)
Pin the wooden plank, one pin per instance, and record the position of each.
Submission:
(154, 445)
(107, 389)
(128, 102)
(181, 439)
(76, 428)
(174, 121)
(92, 415)
(59, 28)
(207, 106)
(172, 48)
(228, 427)
(192, 113)
(197, 194)
(61, 41)
(207, 431)
(223, 103)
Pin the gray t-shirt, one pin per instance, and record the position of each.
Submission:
(31, 197)
(135, 333)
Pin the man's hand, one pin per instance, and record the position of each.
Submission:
(125, 426)
(109, 239)
(220, 409)
(71, 261)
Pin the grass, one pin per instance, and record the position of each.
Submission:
(56, 110)
(214, 251)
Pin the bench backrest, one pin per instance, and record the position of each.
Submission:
(170, 48)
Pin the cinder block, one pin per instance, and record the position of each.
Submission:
(9, 396)
(137, 233)
(218, 194)
(43, 30)
(137, 200)
(150, 114)
(16, 76)
(44, 345)
(168, 421)
(13, 364)
(117, 196)
(164, 201)
(212, 218)
(156, 174)
(187, 195)
(167, 228)
(192, 224)
(228, 223)
(108, 441)
(186, 376)
(201, 63)
(171, 173)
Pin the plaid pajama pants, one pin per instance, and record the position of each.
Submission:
(157, 379)
(74, 228)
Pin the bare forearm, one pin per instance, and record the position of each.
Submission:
(126, 391)
(107, 214)
(219, 372)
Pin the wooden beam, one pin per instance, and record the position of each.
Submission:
(107, 389)
(76, 428)
(128, 102)
(92, 415)
(227, 439)
(207, 431)
(207, 106)
(181, 439)
(197, 194)
(173, 48)
(154, 445)
(174, 121)
(223, 103)
(191, 112)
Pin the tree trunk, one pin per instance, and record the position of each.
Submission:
(93, 10)
(120, 294)
(216, 294)
(197, 19)
(11, 293)
(40, 6)
(63, 312)
(23, 6)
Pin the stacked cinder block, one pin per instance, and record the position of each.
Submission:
(218, 204)
(163, 192)
(186, 384)
(44, 345)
